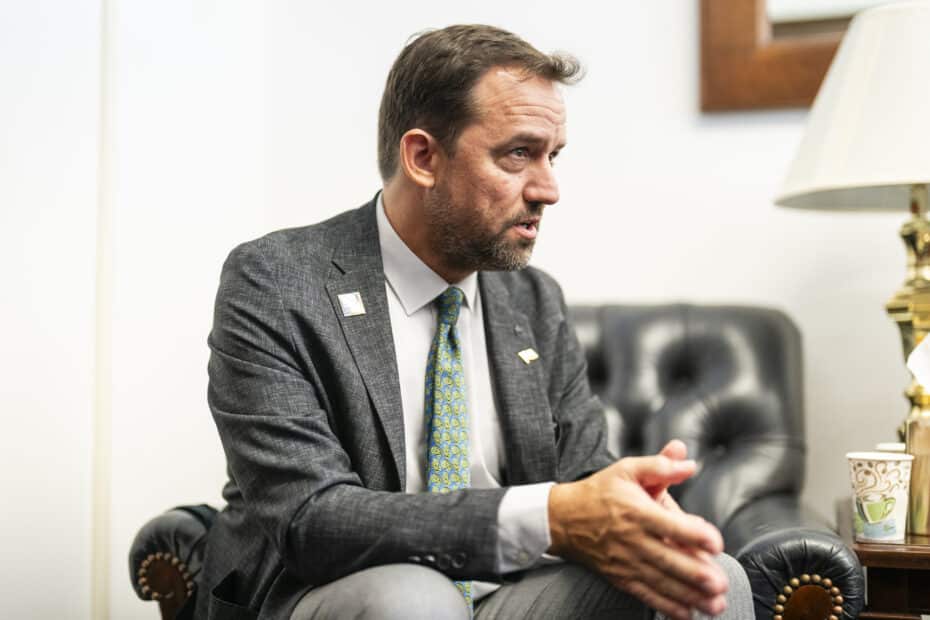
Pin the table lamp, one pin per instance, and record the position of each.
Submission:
(867, 146)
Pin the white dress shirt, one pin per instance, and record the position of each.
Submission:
(523, 520)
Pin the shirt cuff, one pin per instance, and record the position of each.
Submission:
(523, 526)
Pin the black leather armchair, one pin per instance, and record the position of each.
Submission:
(727, 381)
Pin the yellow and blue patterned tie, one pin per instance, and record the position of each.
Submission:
(445, 412)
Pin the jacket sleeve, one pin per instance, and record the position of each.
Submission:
(294, 476)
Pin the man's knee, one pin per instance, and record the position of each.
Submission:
(560, 591)
(393, 592)
(413, 592)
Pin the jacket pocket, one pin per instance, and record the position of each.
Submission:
(223, 605)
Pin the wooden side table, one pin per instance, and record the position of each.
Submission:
(897, 575)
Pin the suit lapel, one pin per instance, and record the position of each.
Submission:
(358, 269)
(525, 414)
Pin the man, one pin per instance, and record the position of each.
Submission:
(404, 409)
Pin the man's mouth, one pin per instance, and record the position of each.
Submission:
(527, 228)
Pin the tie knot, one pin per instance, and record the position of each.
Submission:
(450, 302)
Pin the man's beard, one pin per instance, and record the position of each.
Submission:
(457, 236)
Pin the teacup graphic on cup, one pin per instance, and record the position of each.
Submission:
(874, 508)
(880, 486)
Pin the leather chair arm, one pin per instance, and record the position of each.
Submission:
(772, 513)
(795, 562)
(166, 556)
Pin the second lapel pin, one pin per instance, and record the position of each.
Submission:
(528, 355)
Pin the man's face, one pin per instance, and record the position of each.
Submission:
(485, 209)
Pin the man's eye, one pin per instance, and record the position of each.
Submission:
(520, 152)
(552, 157)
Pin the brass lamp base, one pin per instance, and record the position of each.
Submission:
(910, 309)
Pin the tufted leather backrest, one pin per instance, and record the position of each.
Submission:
(727, 380)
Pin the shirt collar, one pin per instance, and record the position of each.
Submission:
(414, 283)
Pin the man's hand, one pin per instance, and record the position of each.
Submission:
(622, 523)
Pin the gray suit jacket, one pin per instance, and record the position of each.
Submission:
(308, 408)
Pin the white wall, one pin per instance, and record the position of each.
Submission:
(49, 84)
(189, 182)
(234, 118)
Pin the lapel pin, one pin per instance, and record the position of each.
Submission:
(528, 356)
(351, 304)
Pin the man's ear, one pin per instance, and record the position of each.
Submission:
(420, 155)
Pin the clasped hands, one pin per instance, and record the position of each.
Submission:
(622, 523)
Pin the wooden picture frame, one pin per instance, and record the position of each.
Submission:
(743, 66)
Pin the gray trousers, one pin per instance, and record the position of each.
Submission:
(556, 592)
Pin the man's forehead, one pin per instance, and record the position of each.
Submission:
(516, 92)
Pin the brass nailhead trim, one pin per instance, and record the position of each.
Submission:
(826, 583)
(174, 562)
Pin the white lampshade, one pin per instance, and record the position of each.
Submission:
(868, 135)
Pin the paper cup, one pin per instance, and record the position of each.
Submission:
(880, 482)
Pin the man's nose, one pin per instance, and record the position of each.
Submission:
(542, 186)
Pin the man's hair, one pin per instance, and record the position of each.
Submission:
(430, 84)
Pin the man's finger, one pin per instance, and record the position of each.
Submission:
(685, 530)
(675, 450)
(656, 471)
(695, 570)
(668, 502)
(681, 592)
